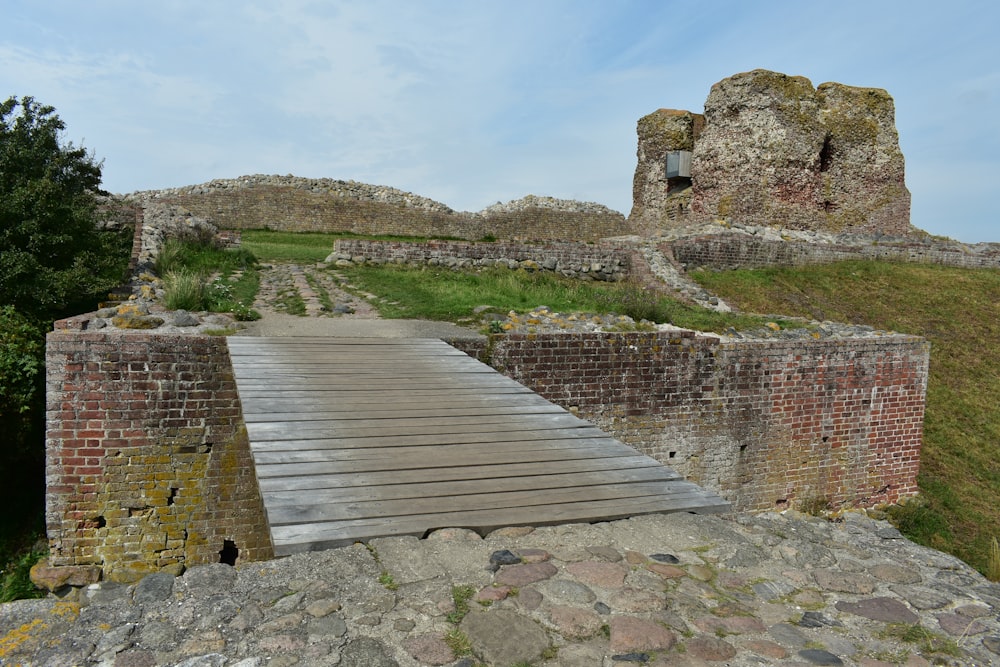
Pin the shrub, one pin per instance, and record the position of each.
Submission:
(184, 290)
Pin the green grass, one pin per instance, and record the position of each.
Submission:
(14, 568)
(299, 248)
(186, 268)
(437, 293)
(303, 247)
(184, 289)
(958, 310)
(928, 642)
(203, 258)
(460, 595)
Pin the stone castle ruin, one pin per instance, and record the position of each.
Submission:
(770, 149)
(149, 463)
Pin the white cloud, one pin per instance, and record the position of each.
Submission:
(470, 102)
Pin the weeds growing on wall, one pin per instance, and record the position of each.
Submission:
(438, 293)
(200, 276)
(958, 310)
(15, 583)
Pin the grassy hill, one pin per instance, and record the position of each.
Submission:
(958, 310)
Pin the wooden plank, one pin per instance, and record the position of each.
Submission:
(431, 454)
(297, 538)
(472, 383)
(427, 457)
(534, 439)
(350, 465)
(433, 489)
(357, 509)
(435, 410)
(406, 401)
(503, 471)
(332, 429)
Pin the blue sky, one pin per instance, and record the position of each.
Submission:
(472, 102)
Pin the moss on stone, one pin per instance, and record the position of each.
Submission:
(137, 321)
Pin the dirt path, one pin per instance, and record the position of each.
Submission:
(297, 300)
(306, 291)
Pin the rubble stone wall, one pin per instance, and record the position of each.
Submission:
(738, 251)
(578, 260)
(296, 208)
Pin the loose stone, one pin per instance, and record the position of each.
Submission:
(665, 558)
(503, 557)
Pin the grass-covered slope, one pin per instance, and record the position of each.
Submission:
(958, 310)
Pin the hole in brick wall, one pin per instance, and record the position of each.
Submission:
(825, 438)
(229, 552)
(206, 448)
(671, 455)
(743, 448)
(173, 494)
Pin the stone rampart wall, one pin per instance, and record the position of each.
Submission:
(301, 210)
(580, 260)
(738, 251)
(765, 423)
(148, 464)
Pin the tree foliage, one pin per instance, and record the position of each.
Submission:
(52, 253)
(54, 260)
(22, 349)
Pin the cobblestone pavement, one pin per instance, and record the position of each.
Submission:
(659, 590)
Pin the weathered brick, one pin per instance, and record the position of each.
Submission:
(110, 463)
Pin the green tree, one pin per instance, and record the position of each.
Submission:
(52, 253)
(54, 260)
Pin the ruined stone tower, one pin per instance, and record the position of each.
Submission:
(772, 150)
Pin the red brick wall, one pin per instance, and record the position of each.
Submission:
(765, 423)
(148, 465)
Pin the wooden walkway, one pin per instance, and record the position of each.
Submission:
(356, 438)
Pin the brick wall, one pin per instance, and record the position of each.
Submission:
(300, 210)
(148, 465)
(738, 251)
(604, 262)
(765, 423)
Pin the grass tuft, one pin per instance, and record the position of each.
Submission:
(184, 289)
(460, 595)
(993, 562)
(15, 583)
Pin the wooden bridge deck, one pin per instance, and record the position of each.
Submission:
(356, 438)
